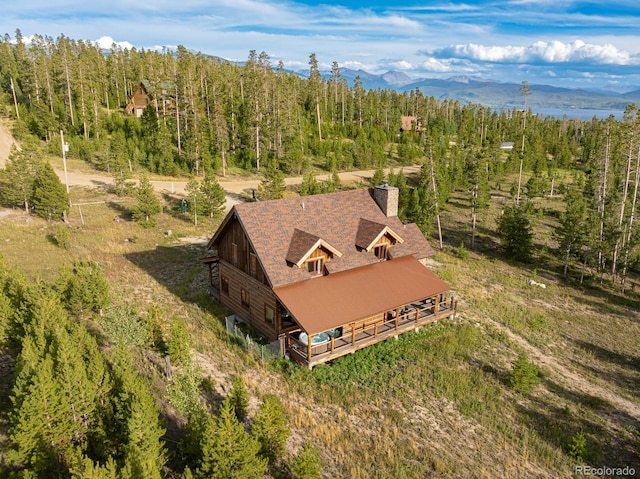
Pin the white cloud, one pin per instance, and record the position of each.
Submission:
(435, 65)
(106, 43)
(401, 65)
(541, 52)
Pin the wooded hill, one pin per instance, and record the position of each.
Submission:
(564, 197)
(209, 114)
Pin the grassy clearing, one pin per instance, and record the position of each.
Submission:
(433, 403)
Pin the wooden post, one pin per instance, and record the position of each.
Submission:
(331, 341)
(436, 305)
(309, 340)
(353, 334)
(397, 317)
(375, 330)
(65, 147)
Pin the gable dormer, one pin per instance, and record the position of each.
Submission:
(376, 237)
(310, 252)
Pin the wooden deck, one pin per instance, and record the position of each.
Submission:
(353, 338)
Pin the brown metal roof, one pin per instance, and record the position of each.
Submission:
(337, 299)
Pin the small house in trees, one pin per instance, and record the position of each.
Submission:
(410, 123)
(139, 100)
(160, 95)
(507, 145)
(326, 275)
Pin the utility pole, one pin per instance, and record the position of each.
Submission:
(65, 148)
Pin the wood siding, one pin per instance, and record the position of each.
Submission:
(259, 296)
(234, 235)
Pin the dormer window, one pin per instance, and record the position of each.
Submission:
(310, 252)
(315, 266)
(380, 252)
(376, 238)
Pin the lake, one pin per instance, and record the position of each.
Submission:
(578, 113)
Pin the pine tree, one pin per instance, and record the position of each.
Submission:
(214, 196)
(272, 185)
(238, 398)
(516, 233)
(50, 199)
(84, 288)
(306, 464)
(310, 185)
(134, 422)
(148, 204)
(178, 343)
(19, 176)
(41, 429)
(270, 428)
(195, 200)
(231, 453)
(378, 177)
(572, 231)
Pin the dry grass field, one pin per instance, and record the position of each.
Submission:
(435, 403)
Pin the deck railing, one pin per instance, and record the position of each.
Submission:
(350, 339)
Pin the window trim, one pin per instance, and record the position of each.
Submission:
(383, 248)
(224, 285)
(234, 253)
(268, 307)
(245, 298)
(253, 264)
(317, 270)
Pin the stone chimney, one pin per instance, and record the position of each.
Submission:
(387, 198)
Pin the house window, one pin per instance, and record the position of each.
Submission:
(314, 266)
(234, 253)
(245, 298)
(224, 285)
(269, 314)
(253, 264)
(380, 251)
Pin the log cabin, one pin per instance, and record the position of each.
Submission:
(139, 100)
(326, 275)
(160, 95)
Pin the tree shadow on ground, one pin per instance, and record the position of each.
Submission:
(625, 372)
(559, 425)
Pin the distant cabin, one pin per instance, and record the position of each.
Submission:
(410, 123)
(142, 97)
(507, 145)
(138, 101)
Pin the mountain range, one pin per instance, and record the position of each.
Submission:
(496, 94)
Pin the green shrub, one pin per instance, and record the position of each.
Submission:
(524, 375)
(238, 398)
(306, 464)
(178, 346)
(123, 325)
(84, 288)
(578, 447)
(63, 237)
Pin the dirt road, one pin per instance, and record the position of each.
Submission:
(233, 187)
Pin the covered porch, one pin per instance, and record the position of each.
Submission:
(341, 313)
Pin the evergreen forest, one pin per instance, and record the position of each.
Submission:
(115, 362)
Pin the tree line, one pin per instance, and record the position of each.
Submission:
(212, 115)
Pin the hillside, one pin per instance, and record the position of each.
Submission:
(434, 403)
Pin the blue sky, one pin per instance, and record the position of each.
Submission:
(558, 42)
